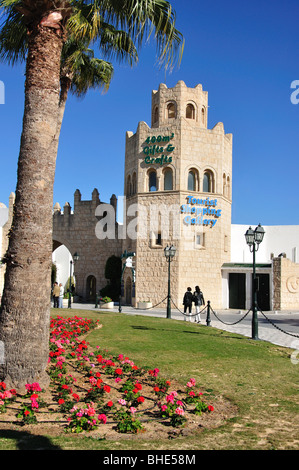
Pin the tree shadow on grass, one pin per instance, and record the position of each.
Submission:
(27, 441)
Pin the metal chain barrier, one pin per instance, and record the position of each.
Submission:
(230, 324)
(259, 310)
(190, 315)
(277, 327)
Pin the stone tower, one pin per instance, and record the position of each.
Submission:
(178, 177)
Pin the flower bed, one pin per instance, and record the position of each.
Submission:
(90, 390)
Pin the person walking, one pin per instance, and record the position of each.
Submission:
(61, 294)
(187, 302)
(55, 293)
(198, 301)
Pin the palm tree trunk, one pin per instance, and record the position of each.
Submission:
(25, 309)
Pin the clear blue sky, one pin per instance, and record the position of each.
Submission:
(245, 54)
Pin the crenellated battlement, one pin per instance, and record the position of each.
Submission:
(83, 210)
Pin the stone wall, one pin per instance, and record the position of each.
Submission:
(79, 231)
(286, 284)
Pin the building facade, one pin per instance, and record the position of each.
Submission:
(178, 177)
(177, 191)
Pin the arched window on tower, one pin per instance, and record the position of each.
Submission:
(190, 111)
(129, 186)
(228, 194)
(152, 181)
(168, 180)
(134, 185)
(170, 111)
(203, 115)
(208, 182)
(191, 180)
(224, 185)
(156, 114)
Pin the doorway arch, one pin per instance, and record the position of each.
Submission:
(128, 291)
(91, 288)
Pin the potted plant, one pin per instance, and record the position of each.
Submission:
(106, 302)
(143, 304)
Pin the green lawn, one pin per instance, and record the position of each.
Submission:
(256, 376)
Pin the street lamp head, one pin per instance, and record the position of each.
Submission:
(169, 251)
(259, 234)
(249, 236)
(172, 251)
(76, 256)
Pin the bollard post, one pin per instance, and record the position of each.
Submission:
(208, 314)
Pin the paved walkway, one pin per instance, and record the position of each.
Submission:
(281, 328)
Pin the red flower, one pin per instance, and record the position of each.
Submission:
(140, 399)
(210, 408)
(110, 404)
(26, 412)
(99, 381)
(60, 401)
(76, 397)
(156, 389)
(118, 371)
(138, 386)
(107, 388)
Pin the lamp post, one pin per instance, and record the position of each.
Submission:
(76, 257)
(253, 240)
(169, 253)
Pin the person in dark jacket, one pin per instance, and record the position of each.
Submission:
(198, 301)
(187, 302)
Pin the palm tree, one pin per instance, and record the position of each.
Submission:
(51, 66)
(24, 320)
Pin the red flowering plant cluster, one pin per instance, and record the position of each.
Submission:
(91, 389)
(6, 397)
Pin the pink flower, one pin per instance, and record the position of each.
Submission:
(122, 402)
(164, 407)
(102, 418)
(133, 410)
(180, 411)
(170, 398)
(191, 383)
(34, 404)
(91, 411)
